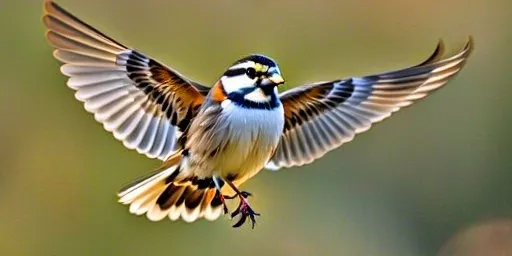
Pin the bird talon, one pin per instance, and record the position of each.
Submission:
(235, 212)
(240, 222)
(245, 194)
(244, 210)
(231, 197)
(253, 219)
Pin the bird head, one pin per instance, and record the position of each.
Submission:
(254, 78)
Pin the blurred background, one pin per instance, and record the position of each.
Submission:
(435, 179)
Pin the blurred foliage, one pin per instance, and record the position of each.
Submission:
(403, 188)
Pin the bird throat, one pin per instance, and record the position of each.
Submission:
(256, 97)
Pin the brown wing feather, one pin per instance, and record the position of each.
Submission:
(322, 116)
(300, 105)
(136, 98)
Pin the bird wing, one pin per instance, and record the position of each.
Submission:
(142, 102)
(322, 116)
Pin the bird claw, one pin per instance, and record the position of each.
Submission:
(244, 194)
(244, 210)
(225, 208)
(248, 212)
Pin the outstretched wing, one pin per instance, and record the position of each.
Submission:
(322, 116)
(142, 102)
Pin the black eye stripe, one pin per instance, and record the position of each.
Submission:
(241, 71)
(235, 72)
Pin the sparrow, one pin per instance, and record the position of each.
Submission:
(212, 139)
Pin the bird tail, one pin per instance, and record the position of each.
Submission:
(162, 194)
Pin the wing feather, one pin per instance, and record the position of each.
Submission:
(322, 116)
(142, 102)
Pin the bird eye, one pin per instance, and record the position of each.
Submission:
(251, 73)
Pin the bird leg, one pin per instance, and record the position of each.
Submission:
(222, 198)
(243, 209)
(223, 201)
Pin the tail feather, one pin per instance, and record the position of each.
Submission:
(211, 206)
(143, 203)
(160, 194)
(142, 185)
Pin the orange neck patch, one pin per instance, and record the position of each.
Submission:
(217, 92)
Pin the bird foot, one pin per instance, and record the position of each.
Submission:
(244, 210)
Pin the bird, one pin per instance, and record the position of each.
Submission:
(211, 139)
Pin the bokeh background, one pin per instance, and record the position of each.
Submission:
(435, 179)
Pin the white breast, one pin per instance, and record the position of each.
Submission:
(253, 134)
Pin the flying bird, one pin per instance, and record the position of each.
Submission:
(212, 139)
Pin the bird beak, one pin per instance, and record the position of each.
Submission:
(276, 79)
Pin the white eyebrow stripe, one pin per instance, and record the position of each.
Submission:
(242, 65)
(235, 83)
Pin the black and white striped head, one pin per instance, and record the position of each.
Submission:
(253, 79)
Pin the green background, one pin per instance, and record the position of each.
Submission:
(403, 188)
